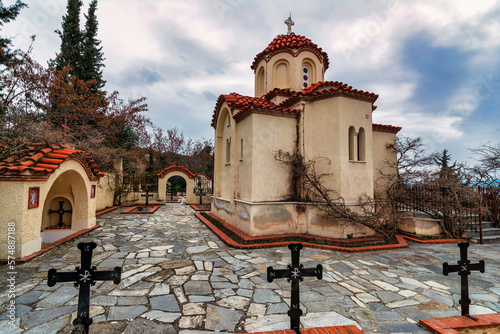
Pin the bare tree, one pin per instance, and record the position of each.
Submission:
(308, 185)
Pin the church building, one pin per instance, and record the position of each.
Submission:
(294, 110)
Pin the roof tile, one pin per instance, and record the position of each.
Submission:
(241, 104)
(282, 42)
(43, 159)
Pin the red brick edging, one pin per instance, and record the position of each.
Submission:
(106, 210)
(196, 208)
(451, 325)
(48, 247)
(131, 210)
(351, 329)
(439, 238)
(230, 242)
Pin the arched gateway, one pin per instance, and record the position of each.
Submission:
(193, 184)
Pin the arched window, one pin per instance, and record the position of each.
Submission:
(260, 83)
(306, 74)
(228, 150)
(361, 145)
(352, 143)
(241, 150)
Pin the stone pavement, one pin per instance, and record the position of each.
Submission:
(178, 277)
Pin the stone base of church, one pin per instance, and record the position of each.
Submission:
(275, 218)
(420, 226)
(21, 250)
(83, 224)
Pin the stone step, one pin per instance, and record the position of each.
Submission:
(485, 226)
(487, 231)
(488, 239)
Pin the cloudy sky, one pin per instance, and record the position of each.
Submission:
(435, 63)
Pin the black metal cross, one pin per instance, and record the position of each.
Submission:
(60, 212)
(464, 268)
(295, 273)
(84, 277)
(147, 195)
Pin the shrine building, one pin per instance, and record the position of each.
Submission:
(294, 110)
(48, 193)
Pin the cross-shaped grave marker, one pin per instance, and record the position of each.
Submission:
(60, 212)
(464, 268)
(295, 273)
(84, 277)
(147, 195)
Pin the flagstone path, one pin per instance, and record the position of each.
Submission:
(178, 277)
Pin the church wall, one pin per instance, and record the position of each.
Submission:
(382, 154)
(356, 175)
(105, 188)
(15, 210)
(224, 159)
(321, 125)
(105, 192)
(270, 178)
(244, 158)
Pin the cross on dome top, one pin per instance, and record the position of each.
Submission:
(289, 23)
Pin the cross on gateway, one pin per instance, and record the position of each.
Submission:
(147, 195)
(464, 268)
(295, 273)
(84, 277)
(60, 212)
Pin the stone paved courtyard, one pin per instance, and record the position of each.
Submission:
(178, 277)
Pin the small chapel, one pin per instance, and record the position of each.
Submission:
(294, 110)
(48, 192)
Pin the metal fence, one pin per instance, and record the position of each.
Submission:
(134, 183)
(466, 206)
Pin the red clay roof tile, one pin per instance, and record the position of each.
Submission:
(43, 159)
(386, 128)
(284, 43)
(241, 105)
(178, 169)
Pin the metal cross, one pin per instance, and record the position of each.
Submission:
(60, 212)
(295, 273)
(84, 277)
(289, 23)
(464, 268)
(147, 195)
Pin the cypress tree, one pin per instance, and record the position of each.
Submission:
(92, 51)
(71, 40)
(8, 14)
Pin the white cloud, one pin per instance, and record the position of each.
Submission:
(183, 54)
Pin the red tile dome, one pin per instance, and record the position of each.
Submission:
(282, 43)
